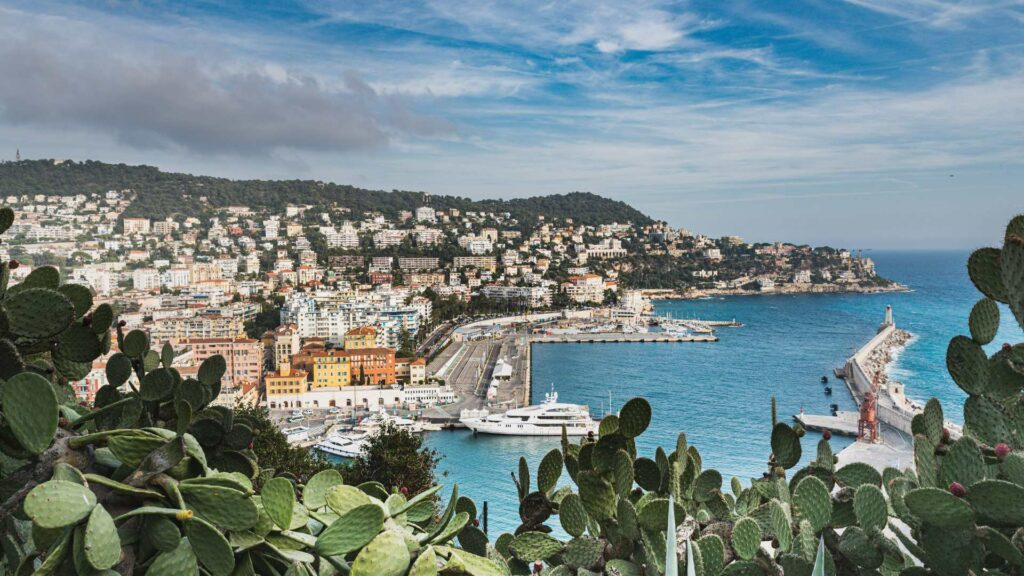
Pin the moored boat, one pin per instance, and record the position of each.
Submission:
(545, 419)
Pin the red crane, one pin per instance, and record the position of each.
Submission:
(867, 424)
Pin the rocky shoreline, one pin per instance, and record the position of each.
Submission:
(672, 294)
(876, 365)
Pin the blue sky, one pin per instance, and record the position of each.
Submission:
(864, 123)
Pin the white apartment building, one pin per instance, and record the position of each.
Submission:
(147, 279)
(426, 214)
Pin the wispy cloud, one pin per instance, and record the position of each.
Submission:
(701, 109)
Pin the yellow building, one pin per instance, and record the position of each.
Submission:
(361, 338)
(285, 381)
(331, 368)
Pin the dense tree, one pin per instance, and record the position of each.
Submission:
(397, 459)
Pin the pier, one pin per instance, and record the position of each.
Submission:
(863, 373)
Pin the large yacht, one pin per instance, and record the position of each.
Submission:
(545, 419)
(346, 445)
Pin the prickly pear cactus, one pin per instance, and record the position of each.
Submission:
(154, 477)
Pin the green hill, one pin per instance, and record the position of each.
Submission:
(160, 194)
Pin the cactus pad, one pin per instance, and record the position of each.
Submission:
(178, 562)
(315, 492)
(813, 503)
(161, 533)
(6, 218)
(985, 271)
(998, 501)
(985, 420)
(572, 515)
(279, 501)
(102, 546)
(869, 505)
(157, 385)
(634, 417)
(984, 321)
(647, 473)
(119, 369)
(385, 555)
(210, 547)
(342, 498)
(30, 410)
(963, 463)
(102, 318)
(856, 474)
(136, 344)
(549, 470)
(533, 546)
(597, 495)
(583, 552)
(223, 507)
(939, 508)
(967, 364)
(59, 503)
(785, 445)
(1012, 263)
(212, 370)
(38, 313)
(707, 484)
(746, 538)
(857, 547)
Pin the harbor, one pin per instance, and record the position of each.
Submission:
(488, 363)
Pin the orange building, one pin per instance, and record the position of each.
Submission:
(372, 366)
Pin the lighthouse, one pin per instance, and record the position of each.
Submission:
(888, 316)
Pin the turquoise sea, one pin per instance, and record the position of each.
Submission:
(720, 393)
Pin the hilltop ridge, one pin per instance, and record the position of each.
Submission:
(160, 194)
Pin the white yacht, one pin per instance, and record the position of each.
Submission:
(545, 419)
(346, 445)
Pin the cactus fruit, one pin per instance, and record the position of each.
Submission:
(957, 489)
(1002, 450)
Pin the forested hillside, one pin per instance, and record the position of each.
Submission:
(160, 194)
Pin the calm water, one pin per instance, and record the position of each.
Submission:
(720, 393)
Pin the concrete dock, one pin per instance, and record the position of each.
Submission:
(843, 423)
